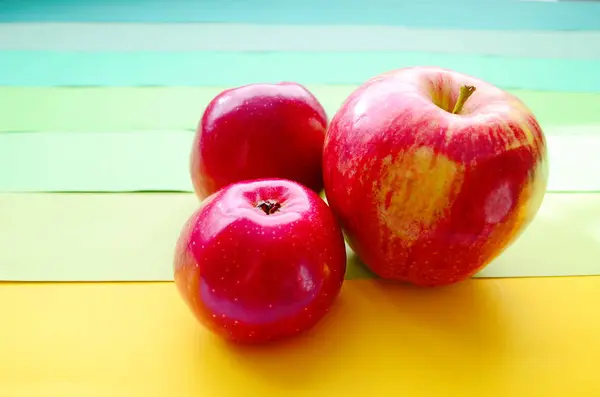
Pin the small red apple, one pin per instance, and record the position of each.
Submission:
(433, 173)
(260, 260)
(259, 131)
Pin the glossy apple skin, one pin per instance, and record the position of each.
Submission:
(426, 196)
(259, 131)
(252, 277)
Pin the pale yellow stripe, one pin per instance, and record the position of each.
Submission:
(100, 237)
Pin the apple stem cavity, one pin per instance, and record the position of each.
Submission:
(465, 92)
(269, 207)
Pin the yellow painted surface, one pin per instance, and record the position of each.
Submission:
(534, 337)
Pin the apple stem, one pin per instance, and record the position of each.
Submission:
(465, 92)
(269, 207)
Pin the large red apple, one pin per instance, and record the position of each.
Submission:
(260, 260)
(259, 131)
(433, 173)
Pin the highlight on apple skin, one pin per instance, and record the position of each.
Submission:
(260, 261)
(433, 173)
(259, 131)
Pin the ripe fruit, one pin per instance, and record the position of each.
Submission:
(433, 173)
(260, 260)
(259, 131)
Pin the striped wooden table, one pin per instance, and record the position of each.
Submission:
(98, 103)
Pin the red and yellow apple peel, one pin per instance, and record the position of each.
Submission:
(433, 173)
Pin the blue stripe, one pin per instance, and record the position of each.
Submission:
(39, 68)
(441, 14)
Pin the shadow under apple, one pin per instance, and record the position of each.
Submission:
(298, 362)
(379, 328)
(468, 313)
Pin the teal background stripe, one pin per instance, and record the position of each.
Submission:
(41, 68)
(474, 14)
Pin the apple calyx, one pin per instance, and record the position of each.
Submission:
(465, 92)
(269, 207)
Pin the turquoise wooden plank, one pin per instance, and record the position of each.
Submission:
(473, 14)
(48, 68)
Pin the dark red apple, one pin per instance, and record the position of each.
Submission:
(259, 131)
(260, 260)
(433, 173)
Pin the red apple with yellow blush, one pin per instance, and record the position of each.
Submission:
(433, 173)
(259, 131)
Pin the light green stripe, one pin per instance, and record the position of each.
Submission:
(158, 161)
(179, 108)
